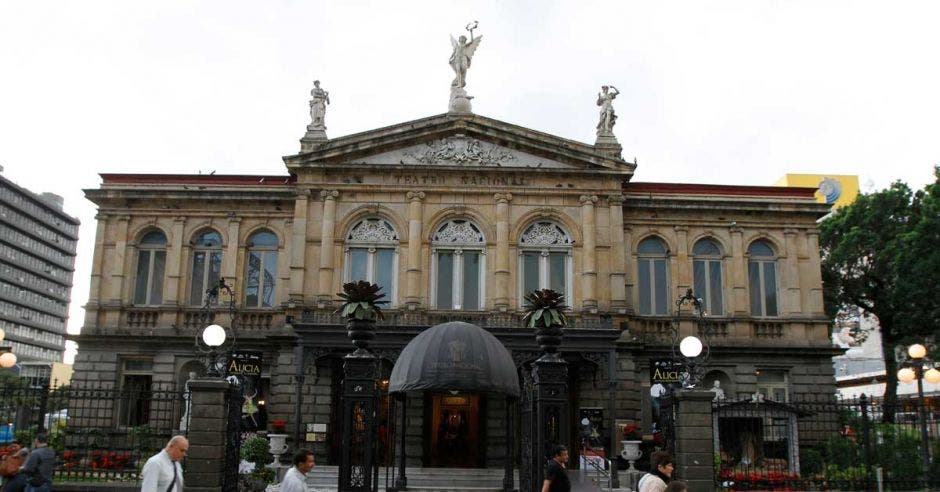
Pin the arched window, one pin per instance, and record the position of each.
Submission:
(151, 266)
(261, 274)
(207, 266)
(545, 259)
(372, 255)
(762, 278)
(458, 261)
(652, 276)
(706, 270)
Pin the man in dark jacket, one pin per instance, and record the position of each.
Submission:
(39, 465)
(556, 477)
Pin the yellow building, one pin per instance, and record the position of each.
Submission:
(837, 190)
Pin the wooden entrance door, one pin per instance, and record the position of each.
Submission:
(454, 439)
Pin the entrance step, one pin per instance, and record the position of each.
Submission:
(324, 479)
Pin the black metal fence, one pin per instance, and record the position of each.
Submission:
(100, 433)
(827, 444)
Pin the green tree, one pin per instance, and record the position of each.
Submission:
(877, 256)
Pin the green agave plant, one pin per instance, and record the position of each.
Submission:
(545, 308)
(361, 301)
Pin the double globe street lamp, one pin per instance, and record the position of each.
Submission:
(915, 370)
(693, 352)
(209, 343)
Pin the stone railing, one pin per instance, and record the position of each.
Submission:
(141, 317)
(652, 329)
(767, 329)
(483, 319)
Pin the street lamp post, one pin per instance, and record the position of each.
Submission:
(208, 343)
(918, 355)
(692, 352)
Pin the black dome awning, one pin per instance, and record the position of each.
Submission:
(455, 356)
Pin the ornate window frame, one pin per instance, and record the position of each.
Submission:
(545, 237)
(373, 234)
(458, 236)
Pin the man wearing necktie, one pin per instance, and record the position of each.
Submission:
(162, 472)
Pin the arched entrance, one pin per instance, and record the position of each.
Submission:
(458, 367)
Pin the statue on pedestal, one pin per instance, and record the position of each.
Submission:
(463, 54)
(605, 99)
(320, 98)
(460, 62)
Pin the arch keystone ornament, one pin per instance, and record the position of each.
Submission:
(360, 308)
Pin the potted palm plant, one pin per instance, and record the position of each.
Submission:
(545, 311)
(360, 307)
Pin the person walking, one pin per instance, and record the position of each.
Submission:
(14, 481)
(162, 472)
(39, 465)
(295, 480)
(661, 474)
(556, 477)
(677, 486)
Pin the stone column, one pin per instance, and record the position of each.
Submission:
(695, 449)
(629, 278)
(588, 254)
(230, 258)
(298, 247)
(502, 250)
(116, 296)
(205, 463)
(790, 275)
(680, 262)
(325, 290)
(413, 272)
(94, 291)
(175, 260)
(811, 275)
(738, 267)
(618, 255)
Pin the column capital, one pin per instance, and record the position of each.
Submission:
(123, 217)
(179, 218)
(680, 228)
(588, 199)
(102, 216)
(303, 194)
(615, 199)
(789, 231)
(328, 195)
(415, 196)
(503, 197)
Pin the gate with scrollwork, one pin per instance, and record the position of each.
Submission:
(527, 466)
(233, 437)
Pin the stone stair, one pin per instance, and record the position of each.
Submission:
(324, 478)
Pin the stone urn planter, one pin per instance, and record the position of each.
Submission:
(630, 451)
(277, 445)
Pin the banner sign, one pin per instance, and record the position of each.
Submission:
(245, 367)
(665, 371)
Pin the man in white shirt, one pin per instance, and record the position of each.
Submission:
(295, 480)
(162, 472)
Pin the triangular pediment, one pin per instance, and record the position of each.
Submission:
(460, 141)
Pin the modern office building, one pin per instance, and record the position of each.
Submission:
(38, 242)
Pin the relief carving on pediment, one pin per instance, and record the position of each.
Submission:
(462, 151)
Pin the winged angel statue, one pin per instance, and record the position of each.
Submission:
(463, 53)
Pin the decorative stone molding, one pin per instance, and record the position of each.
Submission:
(615, 199)
(460, 150)
(458, 231)
(545, 234)
(329, 194)
(373, 231)
(503, 197)
(588, 199)
(415, 196)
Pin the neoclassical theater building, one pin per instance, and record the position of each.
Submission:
(455, 216)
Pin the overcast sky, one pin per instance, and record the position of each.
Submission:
(711, 92)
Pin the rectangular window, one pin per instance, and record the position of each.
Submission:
(762, 282)
(660, 287)
(445, 280)
(134, 398)
(148, 286)
(358, 264)
(471, 280)
(530, 271)
(270, 278)
(557, 272)
(253, 282)
(773, 384)
(646, 297)
(204, 276)
(707, 284)
(385, 272)
(142, 278)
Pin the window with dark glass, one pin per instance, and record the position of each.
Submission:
(207, 266)
(762, 278)
(652, 276)
(261, 274)
(372, 255)
(151, 266)
(706, 273)
(545, 259)
(458, 261)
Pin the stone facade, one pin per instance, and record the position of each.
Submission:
(458, 214)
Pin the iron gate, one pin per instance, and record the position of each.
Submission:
(233, 438)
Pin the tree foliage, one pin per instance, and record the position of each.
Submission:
(882, 255)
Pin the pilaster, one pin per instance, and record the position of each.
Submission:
(618, 255)
(413, 272)
(174, 263)
(502, 250)
(589, 258)
(325, 287)
(298, 246)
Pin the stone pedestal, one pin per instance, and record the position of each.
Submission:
(205, 462)
(694, 446)
(315, 136)
(459, 101)
(608, 144)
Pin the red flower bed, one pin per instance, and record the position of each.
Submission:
(755, 480)
(108, 460)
